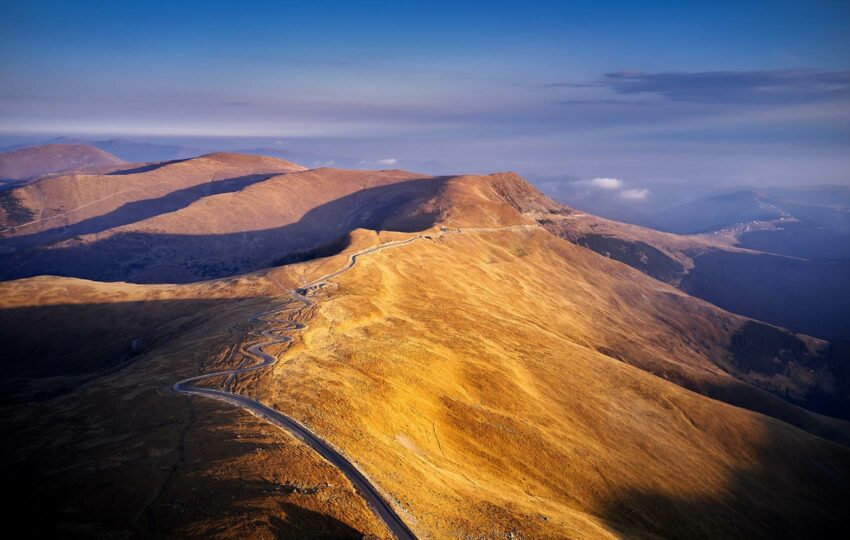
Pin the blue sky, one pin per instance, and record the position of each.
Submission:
(653, 93)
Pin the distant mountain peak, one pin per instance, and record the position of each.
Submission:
(55, 158)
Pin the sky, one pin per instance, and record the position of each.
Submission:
(665, 95)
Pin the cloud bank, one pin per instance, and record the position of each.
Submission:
(384, 162)
(638, 194)
(606, 183)
(616, 187)
(775, 87)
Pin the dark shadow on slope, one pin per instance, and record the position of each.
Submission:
(749, 396)
(756, 346)
(310, 525)
(150, 467)
(638, 255)
(138, 210)
(178, 258)
(774, 359)
(8, 184)
(793, 485)
(49, 350)
(332, 248)
(15, 210)
(807, 296)
(213, 498)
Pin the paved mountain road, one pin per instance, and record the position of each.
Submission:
(379, 504)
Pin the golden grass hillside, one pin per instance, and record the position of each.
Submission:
(491, 378)
(113, 453)
(278, 201)
(62, 201)
(464, 374)
(191, 235)
(805, 296)
(577, 226)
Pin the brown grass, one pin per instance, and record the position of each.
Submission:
(121, 455)
(493, 384)
(496, 414)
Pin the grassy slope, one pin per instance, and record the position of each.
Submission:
(123, 457)
(66, 200)
(720, 268)
(496, 413)
(472, 377)
(223, 234)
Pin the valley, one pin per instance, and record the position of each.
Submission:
(727, 268)
(425, 270)
(541, 390)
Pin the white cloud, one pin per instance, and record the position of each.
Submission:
(610, 187)
(635, 194)
(387, 161)
(606, 183)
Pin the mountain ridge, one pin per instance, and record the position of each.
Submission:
(49, 159)
(540, 389)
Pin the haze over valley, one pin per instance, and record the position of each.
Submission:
(427, 273)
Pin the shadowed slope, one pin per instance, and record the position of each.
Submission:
(135, 211)
(499, 413)
(53, 349)
(779, 289)
(121, 455)
(540, 390)
(806, 295)
(771, 493)
(256, 227)
(61, 201)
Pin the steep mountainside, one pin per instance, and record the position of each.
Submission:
(271, 220)
(792, 359)
(515, 405)
(63, 202)
(102, 448)
(811, 296)
(489, 377)
(41, 160)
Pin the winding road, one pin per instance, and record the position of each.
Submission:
(378, 503)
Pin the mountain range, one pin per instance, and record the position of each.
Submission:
(492, 362)
(33, 162)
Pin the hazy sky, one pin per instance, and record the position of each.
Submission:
(703, 94)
